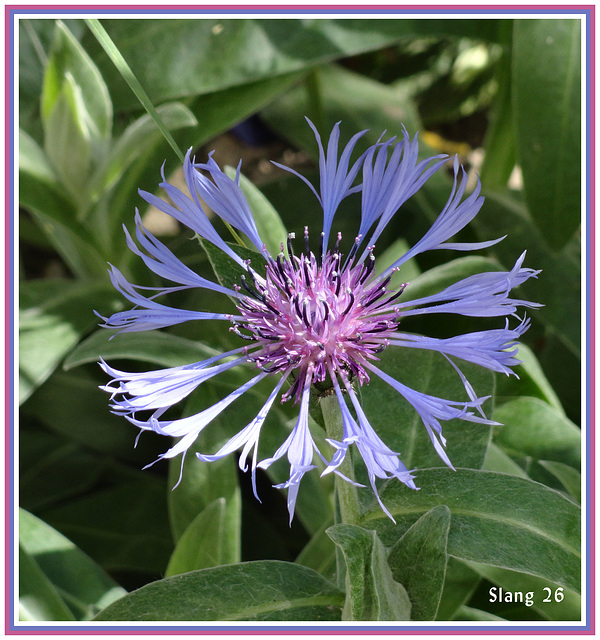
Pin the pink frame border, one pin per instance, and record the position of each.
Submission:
(11, 15)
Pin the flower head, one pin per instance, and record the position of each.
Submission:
(315, 317)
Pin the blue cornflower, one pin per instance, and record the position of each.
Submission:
(317, 317)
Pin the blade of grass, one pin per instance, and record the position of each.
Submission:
(125, 70)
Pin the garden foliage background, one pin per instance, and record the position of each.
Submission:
(93, 525)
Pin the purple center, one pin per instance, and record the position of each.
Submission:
(317, 317)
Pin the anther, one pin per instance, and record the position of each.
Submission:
(350, 303)
(305, 313)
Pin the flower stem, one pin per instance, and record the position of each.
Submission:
(346, 492)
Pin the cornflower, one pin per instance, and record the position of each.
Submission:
(315, 319)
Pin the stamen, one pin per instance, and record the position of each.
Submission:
(349, 292)
(326, 306)
(306, 264)
(304, 313)
(291, 236)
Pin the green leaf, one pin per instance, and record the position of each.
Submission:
(203, 56)
(497, 460)
(48, 463)
(497, 519)
(359, 101)
(251, 591)
(81, 583)
(401, 428)
(570, 478)
(228, 272)
(41, 194)
(319, 553)
(67, 57)
(38, 598)
(542, 592)
(67, 141)
(76, 113)
(531, 381)
(201, 482)
(156, 347)
(123, 528)
(207, 542)
(460, 584)
(418, 561)
(270, 228)
(531, 427)
(87, 421)
(371, 591)
(53, 316)
(436, 279)
(546, 100)
(137, 138)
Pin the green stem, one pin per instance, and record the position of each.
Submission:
(346, 493)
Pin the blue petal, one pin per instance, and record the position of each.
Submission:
(493, 349)
(226, 198)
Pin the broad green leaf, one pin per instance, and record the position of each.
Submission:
(360, 102)
(123, 528)
(35, 41)
(67, 141)
(418, 561)
(407, 272)
(41, 194)
(53, 316)
(203, 56)
(459, 585)
(137, 138)
(67, 57)
(548, 599)
(33, 161)
(400, 426)
(319, 553)
(76, 113)
(250, 591)
(497, 460)
(83, 585)
(570, 478)
(88, 421)
(204, 482)
(531, 382)
(436, 279)
(156, 347)
(48, 463)
(220, 110)
(207, 542)
(228, 272)
(531, 427)
(38, 598)
(547, 111)
(270, 228)
(372, 593)
(497, 519)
